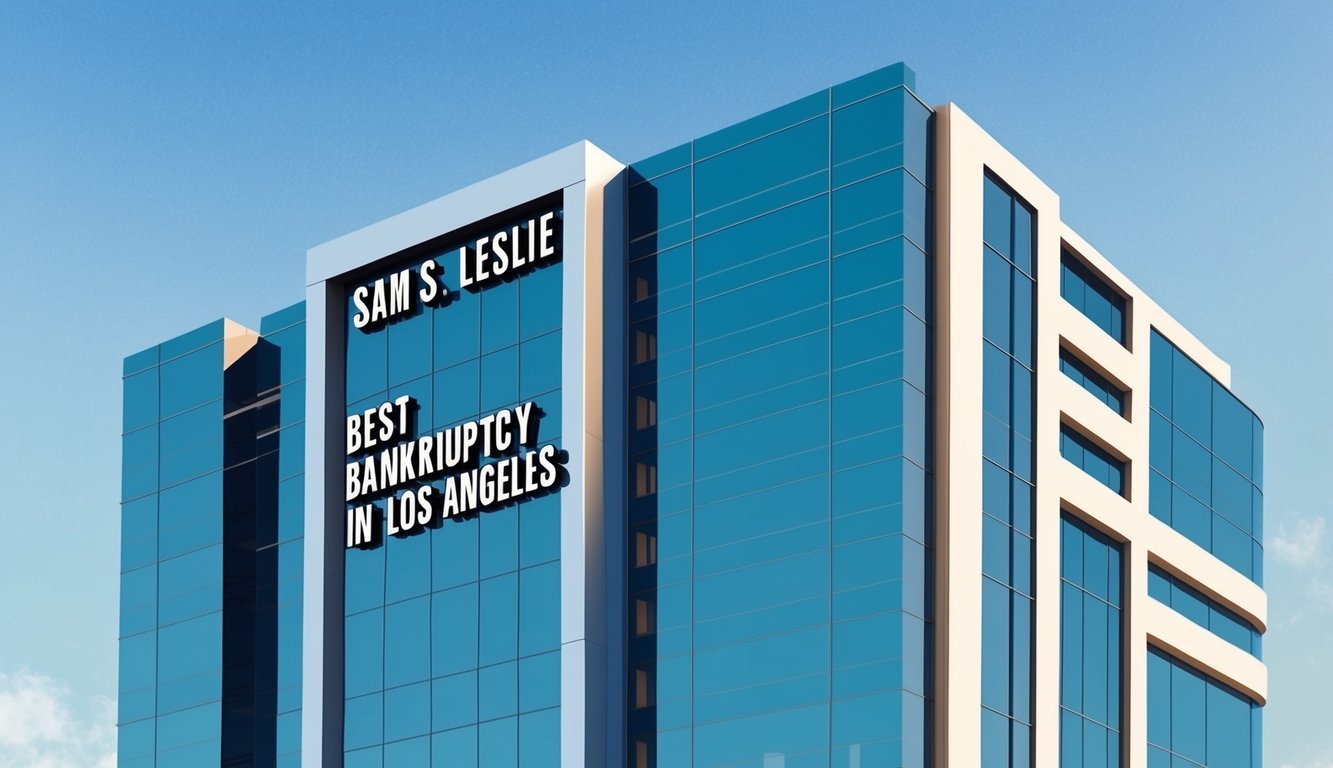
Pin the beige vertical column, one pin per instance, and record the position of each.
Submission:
(958, 194)
(1134, 596)
(1046, 576)
(964, 152)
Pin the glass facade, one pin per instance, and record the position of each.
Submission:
(281, 558)
(201, 675)
(1008, 390)
(774, 602)
(1092, 459)
(1094, 383)
(1207, 461)
(1091, 295)
(1090, 646)
(1203, 610)
(452, 634)
(1194, 720)
(780, 534)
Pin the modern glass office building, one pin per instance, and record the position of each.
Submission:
(816, 441)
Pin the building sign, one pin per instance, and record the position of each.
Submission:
(385, 460)
(468, 468)
(501, 255)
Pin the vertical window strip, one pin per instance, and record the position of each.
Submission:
(1091, 647)
(1008, 393)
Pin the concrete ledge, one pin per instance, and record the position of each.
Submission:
(1205, 651)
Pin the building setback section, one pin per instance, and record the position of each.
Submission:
(772, 449)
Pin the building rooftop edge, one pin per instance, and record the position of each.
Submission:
(556, 170)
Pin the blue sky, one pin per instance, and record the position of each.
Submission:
(163, 164)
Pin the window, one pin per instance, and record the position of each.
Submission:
(645, 549)
(645, 617)
(643, 694)
(1090, 646)
(645, 347)
(1007, 386)
(1094, 297)
(1202, 610)
(1092, 459)
(1194, 720)
(1206, 455)
(1097, 385)
(645, 412)
(645, 479)
(640, 753)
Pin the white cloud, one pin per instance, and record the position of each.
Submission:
(44, 725)
(1301, 544)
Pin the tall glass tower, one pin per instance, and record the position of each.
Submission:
(211, 547)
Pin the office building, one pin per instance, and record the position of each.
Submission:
(819, 440)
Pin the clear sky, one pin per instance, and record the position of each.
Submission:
(163, 164)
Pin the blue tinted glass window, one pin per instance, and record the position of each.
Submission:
(190, 515)
(867, 137)
(191, 380)
(404, 625)
(740, 183)
(1008, 311)
(364, 639)
(1192, 399)
(1192, 717)
(1233, 425)
(457, 331)
(499, 317)
(1090, 645)
(138, 600)
(189, 663)
(539, 609)
(539, 301)
(367, 362)
(409, 348)
(190, 585)
(497, 743)
(1090, 294)
(1202, 610)
(1206, 457)
(406, 711)
(1092, 458)
(1096, 385)
(141, 399)
(996, 310)
(997, 217)
(454, 748)
(454, 701)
